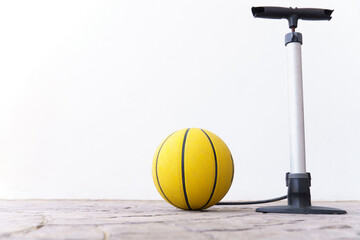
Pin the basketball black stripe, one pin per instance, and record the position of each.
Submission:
(156, 170)
(216, 169)
(183, 168)
(233, 168)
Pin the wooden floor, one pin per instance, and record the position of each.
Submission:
(108, 219)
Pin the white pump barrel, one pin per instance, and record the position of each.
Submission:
(296, 109)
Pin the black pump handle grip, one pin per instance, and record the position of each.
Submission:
(292, 14)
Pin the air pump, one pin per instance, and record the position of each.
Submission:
(298, 180)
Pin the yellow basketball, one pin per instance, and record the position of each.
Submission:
(193, 169)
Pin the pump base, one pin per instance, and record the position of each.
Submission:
(296, 210)
(299, 199)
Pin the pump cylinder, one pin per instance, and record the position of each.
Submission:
(296, 109)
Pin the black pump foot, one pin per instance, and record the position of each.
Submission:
(299, 200)
(305, 210)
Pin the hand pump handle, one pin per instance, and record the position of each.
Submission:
(292, 14)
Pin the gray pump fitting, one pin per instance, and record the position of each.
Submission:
(293, 37)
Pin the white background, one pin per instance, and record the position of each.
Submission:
(89, 89)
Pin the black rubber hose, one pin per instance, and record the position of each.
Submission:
(253, 202)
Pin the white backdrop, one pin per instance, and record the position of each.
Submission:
(88, 89)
